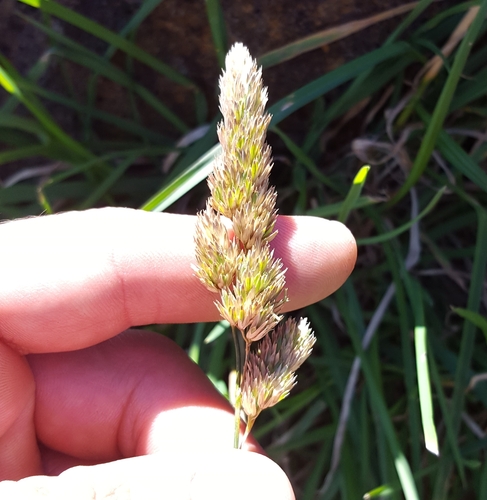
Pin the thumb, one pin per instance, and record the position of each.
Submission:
(235, 474)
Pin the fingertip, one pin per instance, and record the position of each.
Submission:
(320, 254)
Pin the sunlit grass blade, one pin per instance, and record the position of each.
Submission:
(424, 386)
(97, 30)
(9, 83)
(219, 329)
(396, 232)
(34, 73)
(279, 111)
(192, 176)
(425, 399)
(353, 194)
(441, 109)
(328, 36)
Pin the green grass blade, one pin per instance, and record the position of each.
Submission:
(217, 331)
(442, 106)
(377, 399)
(424, 385)
(446, 416)
(478, 274)
(218, 29)
(25, 152)
(24, 124)
(304, 159)
(183, 183)
(327, 36)
(103, 187)
(334, 208)
(100, 66)
(34, 73)
(279, 111)
(453, 153)
(392, 234)
(353, 194)
(8, 82)
(477, 319)
(145, 10)
(470, 90)
(121, 123)
(324, 84)
(420, 7)
(97, 30)
(425, 399)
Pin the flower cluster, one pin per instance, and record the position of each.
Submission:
(232, 239)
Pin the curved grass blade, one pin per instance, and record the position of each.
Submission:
(25, 152)
(217, 331)
(353, 194)
(303, 158)
(102, 67)
(122, 123)
(25, 125)
(8, 81)
(477, 319)
(308, 93)
(392, 234)
(334, 208)
(103, 187)
(441, 109)
(348, 302)
(279, 111)
(78, 54)
(192, 176)
(97, 30)
(328, 36)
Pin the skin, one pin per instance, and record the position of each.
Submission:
(87, 411)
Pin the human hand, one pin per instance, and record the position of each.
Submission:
(132, 408)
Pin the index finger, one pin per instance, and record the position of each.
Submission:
(72, 280)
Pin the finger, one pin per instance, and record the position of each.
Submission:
(135, 394)
(19, 455)
(203, 476)
(71, 280)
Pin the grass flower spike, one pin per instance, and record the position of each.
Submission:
(233, 254)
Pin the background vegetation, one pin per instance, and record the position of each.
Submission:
(393, 402)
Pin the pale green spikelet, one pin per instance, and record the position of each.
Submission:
(233, 254)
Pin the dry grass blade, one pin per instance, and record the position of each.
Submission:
(434, 65)
(329, 35)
